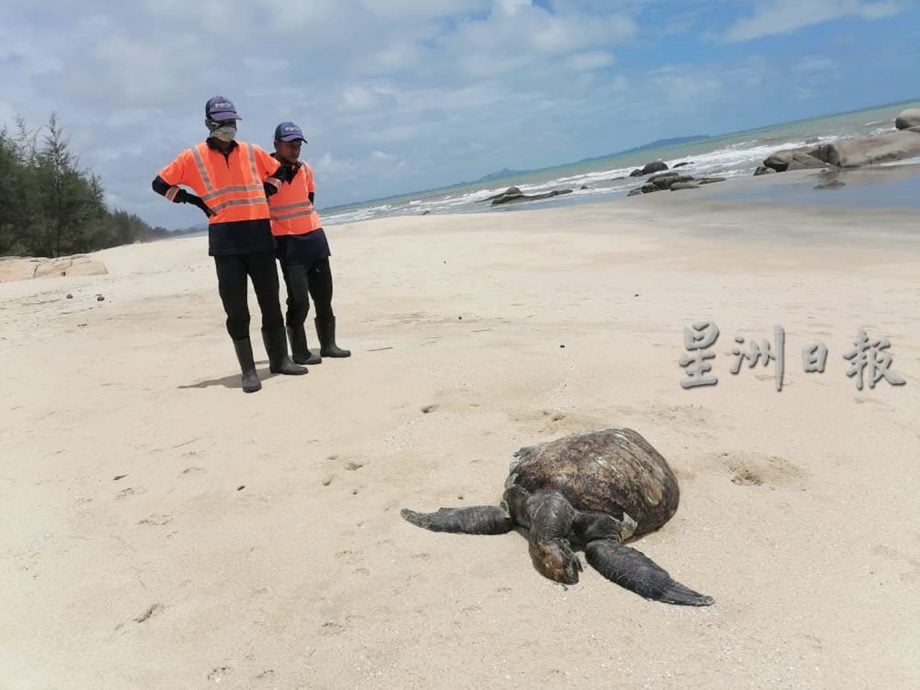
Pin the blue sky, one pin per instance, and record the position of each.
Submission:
(402, 95)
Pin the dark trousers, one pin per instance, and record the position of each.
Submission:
(303, 281)
(232, 273)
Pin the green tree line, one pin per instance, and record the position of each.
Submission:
(49, 206)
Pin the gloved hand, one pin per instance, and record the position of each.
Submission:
(183, 197)
(196, 200)
(285, 172)
(177, 195)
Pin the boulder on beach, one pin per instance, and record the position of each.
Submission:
(649, 168)
(794, 159)
(665, 180)
(673, 181)
(510, 192)
(879, 148)
(509, 198)
(907, 119)
(855, 152)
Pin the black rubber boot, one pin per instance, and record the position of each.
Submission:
(276, 347)
(325, 331)
(250, 379)
(300, 353)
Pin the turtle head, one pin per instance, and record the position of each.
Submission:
(556, 561)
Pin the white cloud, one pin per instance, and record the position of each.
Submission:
(511, 8)
(783, 16)
(359, 98)
(591, 60)
(679, 87)
(431, 84)
(393, 96)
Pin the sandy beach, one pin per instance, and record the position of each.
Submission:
(160, 529)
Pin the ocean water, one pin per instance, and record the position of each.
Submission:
(730, 155)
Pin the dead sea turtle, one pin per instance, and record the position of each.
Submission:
(591, 492)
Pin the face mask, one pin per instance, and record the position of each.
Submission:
(224, 132)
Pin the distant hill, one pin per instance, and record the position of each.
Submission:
(657, 144)
(662, 143)
(504, 172)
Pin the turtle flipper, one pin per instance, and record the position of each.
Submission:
(590, 526)
(638, 573)
(471, 520)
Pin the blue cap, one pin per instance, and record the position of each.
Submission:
(288, 131)
(219, 109)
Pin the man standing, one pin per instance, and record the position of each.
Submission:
(302, 250)
(231, 180)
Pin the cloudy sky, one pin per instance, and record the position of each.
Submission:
(402, 95)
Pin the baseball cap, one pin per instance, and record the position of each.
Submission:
(288, 131)
(219, 109)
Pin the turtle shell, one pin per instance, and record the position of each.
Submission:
(609, 471)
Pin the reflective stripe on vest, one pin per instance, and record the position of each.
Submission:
(288, 211)
(251, 194)
(292, 212)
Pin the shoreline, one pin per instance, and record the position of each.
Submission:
(780, 195)
(729, 156)
(895, 187)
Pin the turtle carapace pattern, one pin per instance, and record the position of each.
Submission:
(586, 492)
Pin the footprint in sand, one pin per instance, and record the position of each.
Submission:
(681, 415)
(554, 421)
(130, 491)
(355, 558)
(756, 469)
(149, 613)
(218, 674)
(745, 476)
(330, 628)
(156, 520)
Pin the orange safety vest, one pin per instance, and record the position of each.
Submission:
(231, 186)
(292, 212)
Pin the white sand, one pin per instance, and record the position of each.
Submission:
(798, 512)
